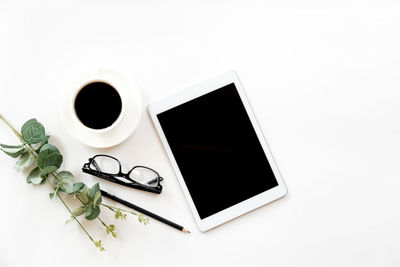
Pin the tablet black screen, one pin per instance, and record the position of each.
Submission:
(217, 150)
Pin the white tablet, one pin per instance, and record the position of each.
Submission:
(217, 150)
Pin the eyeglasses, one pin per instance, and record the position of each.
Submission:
(109, 168)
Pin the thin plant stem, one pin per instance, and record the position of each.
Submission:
(32, 153)
(12, 128)
(114, 208)
(109, 229)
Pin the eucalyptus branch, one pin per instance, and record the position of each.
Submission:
(32, 152)
(46, 159)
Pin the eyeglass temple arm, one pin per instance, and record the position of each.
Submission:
(96, 166)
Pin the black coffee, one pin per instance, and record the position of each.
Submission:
(98, 105)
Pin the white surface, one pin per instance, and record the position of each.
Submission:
(121, 129)
(322, 78)
(194, 92)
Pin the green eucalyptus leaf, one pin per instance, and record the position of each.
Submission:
(54, 159)
(53, 195)
(42, 157)
(11, 146)
(97, 198)
(25, 161)
(66, 175)
(91, 212)
(44, 178)
(36, 180)
(45, 151)
(77, 187)
(95, 188)
(66, 183)
(78, 211)
(27, 123)
(50, 147)
(33, 133)
(66, 186)
(12, 152)
(34, 176)
(48, 170)
(83, 195)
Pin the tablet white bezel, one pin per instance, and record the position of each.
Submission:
(244, 206)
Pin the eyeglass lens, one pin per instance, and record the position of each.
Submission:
(105, 165)
(144, 176)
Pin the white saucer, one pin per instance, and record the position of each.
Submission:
(121, 131)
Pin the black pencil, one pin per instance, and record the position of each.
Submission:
(146, 212)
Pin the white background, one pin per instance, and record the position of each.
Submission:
(322, 78)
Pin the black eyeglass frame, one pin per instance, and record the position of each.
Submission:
(113, 177)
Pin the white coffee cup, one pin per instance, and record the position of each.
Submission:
(121, 94)
(121, 128)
